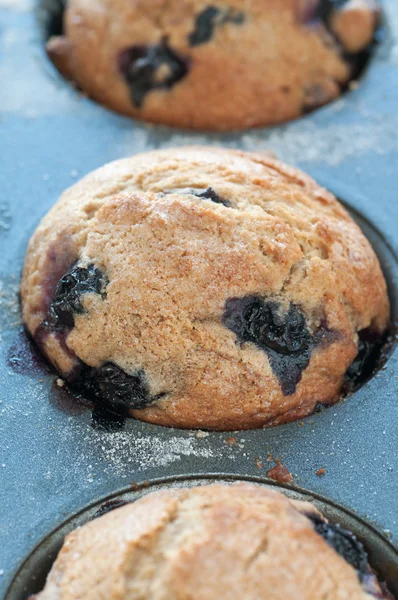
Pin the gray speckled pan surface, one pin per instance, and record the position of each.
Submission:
(52, 463)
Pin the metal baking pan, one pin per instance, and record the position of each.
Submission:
(53, 463)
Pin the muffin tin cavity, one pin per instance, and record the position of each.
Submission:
(280, 331)
(144, 68)
(365, 543)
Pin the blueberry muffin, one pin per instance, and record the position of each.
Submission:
(202, 287)
(218, 541)
(214, 64)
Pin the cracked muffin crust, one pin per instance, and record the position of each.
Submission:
(204, 288)
(214, 64)
(216, 541)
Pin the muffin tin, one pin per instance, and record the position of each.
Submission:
(32, 575)
(54, 466)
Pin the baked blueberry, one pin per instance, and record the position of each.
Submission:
(208, 194)
(148, 68)
(208, 20)
(67, 300)
(284, 335)
(205, 24)
(365, 363)
(110, 387)
(344, 542)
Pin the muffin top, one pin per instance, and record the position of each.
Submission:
(224, 64)
(203, 287)
(206, 543)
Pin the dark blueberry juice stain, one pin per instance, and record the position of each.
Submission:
(208, 20)
(344, 543)
(284, 336)
(148, 68)
(108, 507)
(67, 300)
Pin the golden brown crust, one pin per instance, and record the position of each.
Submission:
(205, 543)
(173, 260)
(272, 67)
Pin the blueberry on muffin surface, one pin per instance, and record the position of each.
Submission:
(204, 288)
(216, 541)
(214, 65)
